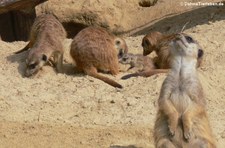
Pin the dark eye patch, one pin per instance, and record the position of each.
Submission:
(200, 53)
(125, 58)
(32, 66)
(118, 43)
(120, 53)
(44, 57)
(189, 39)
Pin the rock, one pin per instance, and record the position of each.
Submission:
(147, 3)
(9, 5)
(117, 16)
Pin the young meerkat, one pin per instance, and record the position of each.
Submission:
(158, 42)
(46, 37)
(93, 49)
(182, 120)
(143, 65)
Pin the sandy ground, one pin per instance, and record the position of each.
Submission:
(60, 110)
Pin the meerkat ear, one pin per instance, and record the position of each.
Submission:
(200, 53)
(44, 57)
(145, 42)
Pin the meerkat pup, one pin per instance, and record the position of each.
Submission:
(137, 62)
(96, 49)
(46, 37)
(143, 65)
(182, 120)
(158, 42)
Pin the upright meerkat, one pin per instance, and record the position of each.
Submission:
(182, 120)
(46, 37)
(96, 49)
(158, 42)
(143, 65)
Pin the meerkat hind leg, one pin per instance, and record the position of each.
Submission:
(165, 143)
(187, 119)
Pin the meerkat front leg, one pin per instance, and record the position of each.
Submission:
(172, 114)
(166, 106)
(58, 59)
(187, 119)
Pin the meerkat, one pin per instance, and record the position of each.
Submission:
(182, 120)
(143, 65)
(94, 49)
(158, 42)
(46, 37)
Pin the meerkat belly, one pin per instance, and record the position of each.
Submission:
(180, 100)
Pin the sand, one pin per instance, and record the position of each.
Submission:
(61, 110)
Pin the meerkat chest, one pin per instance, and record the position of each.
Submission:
(181, 94)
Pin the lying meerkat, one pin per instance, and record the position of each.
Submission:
(158, 42)
(46, 37)
(95, 49)
(182, 120)
(137, 62)
(143, 65)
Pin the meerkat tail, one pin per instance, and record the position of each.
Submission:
(152, 72)
(130, 75)
(24, 49)
(145, 73)
(106, 80)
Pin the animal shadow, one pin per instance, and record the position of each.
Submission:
(20, 59)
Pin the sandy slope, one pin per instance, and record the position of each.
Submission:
(59, 110)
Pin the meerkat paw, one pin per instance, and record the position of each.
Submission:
(187, 135)
(171, 131)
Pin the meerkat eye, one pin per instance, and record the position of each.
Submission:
(32, 66)
(125, 58)
(189, 39)
(200, 53)
(44, 57)
(117, 43)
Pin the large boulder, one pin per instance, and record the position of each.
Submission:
(118, 16)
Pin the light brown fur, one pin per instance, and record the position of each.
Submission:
(158, 42)
(182, 120)
(143, 65)
(46, 37)
(95, 49)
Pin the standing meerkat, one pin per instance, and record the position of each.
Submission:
(158, 42)
(96, 49)
(182, 120)
(143, 65)
(46, 37)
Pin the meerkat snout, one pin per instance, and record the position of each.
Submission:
(33, 65)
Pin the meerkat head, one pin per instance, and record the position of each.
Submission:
(34, 63)
(121, 46)
(185, 45)
(150, 41)
(127, 59)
